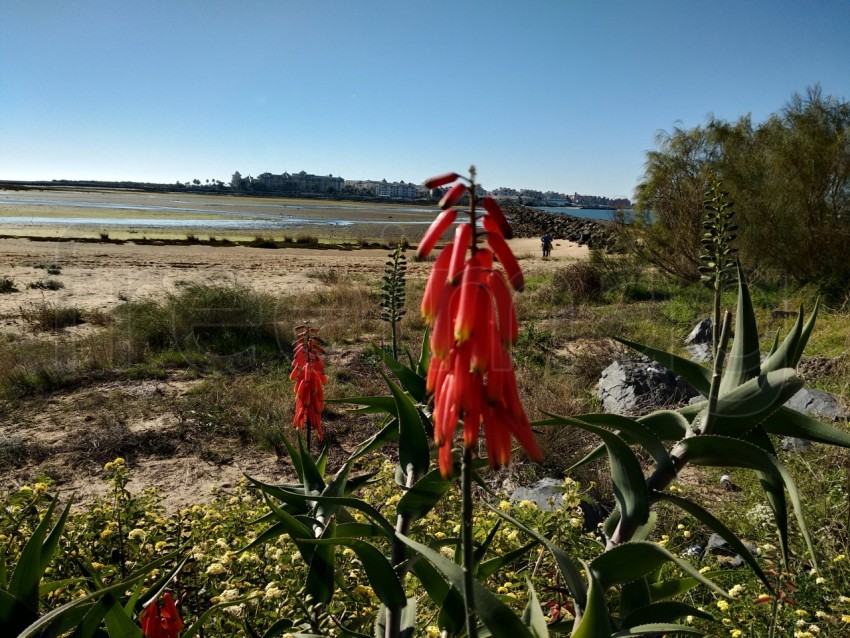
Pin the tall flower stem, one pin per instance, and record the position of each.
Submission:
(467, 541)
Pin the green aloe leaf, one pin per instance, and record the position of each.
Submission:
(35, 556)
(782, 356)
(595, 622)
(804, 337)
(295, 457)
(313, 481)
(386, 434)
(627, 562)
(407, 625)
(676, 587)
(629, 430)
(497, 617)
(695, 374)
(424, 354)
(288, 496)
(413, 451)
(412, 382)
(423, 496)
(626, 475)
(371, 405)
(750, 403)
(533, 616)
(569, 571)
(725, 452)
(490, 566)
(745, 357)
(380, 573)
(706, 518)
(320, 575)
(450, 601)
(663, 612)
(788, 422)
(48, 623)
(335, 488)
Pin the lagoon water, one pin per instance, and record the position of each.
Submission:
(207, 212)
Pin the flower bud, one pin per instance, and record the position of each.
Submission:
(452, 195)
(441, 180)
(435, 231)
(495, 211)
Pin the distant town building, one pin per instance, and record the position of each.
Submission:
(383, 188)
(298, 183)
(606, 202)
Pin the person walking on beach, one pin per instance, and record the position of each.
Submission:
(546, 241)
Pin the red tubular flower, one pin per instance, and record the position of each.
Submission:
(308, 375)
(468, 304)
(452, 195)
(495, 212)
(435, 230)
(161, 620)
(441, 180)
(463, 236)
(503, 253)
(436, 283)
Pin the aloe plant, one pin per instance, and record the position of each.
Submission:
(742, 406)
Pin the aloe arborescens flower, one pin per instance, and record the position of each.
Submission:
(467, 303)
(308, 373)
(161, 620)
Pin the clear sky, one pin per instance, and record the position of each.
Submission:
(555, 95)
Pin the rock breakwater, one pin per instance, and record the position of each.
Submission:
(532, 222)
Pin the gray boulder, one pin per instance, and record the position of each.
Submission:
(638, 385)
(700, 334)
(817, 403)
(547, 493)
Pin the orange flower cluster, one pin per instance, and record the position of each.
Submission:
(467, 303)
(308, 373)
(161, 621)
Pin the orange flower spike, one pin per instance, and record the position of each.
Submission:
(482, 332)
(503, 253)
(496, 375)
(508, 325)
(436, 282)
(435, 231)
(498, 438)
(460, 372)
(463, 237)
(470, 300)
(441, 180)
(494, 210)
(521, 430)
(452, 195)
(442, 337)
(441, 406)
(472, 416)
(435, 370)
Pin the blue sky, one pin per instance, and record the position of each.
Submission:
(561, 94)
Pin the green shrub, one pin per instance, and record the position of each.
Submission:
(44, 316)
(7, 285)
(46, 284)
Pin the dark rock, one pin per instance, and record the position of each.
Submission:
(701, 333)
(817, 403)
(632, 386)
